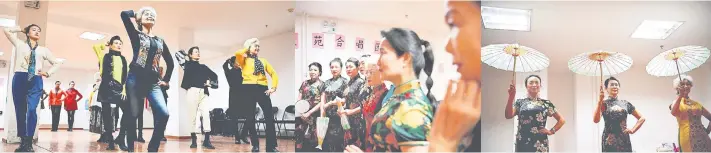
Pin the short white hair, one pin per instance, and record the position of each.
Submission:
(678, 80)
(144, 9)
(373, 59)
(248, 43)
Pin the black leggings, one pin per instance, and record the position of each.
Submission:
(106, 117)
(56, 111)
(70, 119)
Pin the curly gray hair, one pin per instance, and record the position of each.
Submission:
(678, 80)
(249, 42)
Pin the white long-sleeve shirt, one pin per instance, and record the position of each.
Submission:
(22, 56)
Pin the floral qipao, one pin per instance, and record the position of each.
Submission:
(333, 142)
(405, 119)
(532, 116)
(369, 109)
(615, 115)
(354, 99)
(310, 91)
(692, 133)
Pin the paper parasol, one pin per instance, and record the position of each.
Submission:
(600, 63)
(514, 57)
(678, 60)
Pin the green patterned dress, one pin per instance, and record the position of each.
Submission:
(405, 119)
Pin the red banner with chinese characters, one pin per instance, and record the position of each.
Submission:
(317, 40)
(340, 42)
(359, 44)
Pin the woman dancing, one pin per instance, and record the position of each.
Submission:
(143, 80)
(113, 78)
(310, 91)
(27, 80)
(533, 112)
(616, 136)
(693, 136)
(254, 70)
(198, 78)
(233, 73)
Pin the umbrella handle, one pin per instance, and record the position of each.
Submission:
(678, 73)
(513, 80)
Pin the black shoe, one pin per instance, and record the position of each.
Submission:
(272, 150)
(54, 130)
(238, 141)
(23, 145)
(164, 139)
(28, 146)
(121, 143)
(193, 137)
(140, 139)
(245, 141)
(152, 149)
(206, 143)
(102, 138)
(255, 149)
(111, 147)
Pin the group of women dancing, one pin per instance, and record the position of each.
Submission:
(129, 85)
(533, 111)
(385, 106)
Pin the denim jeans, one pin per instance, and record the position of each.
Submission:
(26, 95)
(137, 90)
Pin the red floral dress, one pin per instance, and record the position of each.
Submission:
(369, 110)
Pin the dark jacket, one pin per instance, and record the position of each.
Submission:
(196, 75)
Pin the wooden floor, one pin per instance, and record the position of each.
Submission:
(85, 141)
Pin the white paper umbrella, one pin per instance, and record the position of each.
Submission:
(600, 63)
(514, 57)
(321, 129)
(678, 60)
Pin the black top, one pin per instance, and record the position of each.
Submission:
(196, 75)
(108, 67)
(146, 51)
(233, 74)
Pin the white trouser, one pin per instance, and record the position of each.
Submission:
(197, 104)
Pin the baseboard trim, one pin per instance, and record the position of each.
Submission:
(177, 137)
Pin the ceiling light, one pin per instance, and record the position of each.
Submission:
(650, 29)
(61, 60)
(506, 19)
(91, 36)
(5, 22)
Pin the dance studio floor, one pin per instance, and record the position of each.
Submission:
(85, 141)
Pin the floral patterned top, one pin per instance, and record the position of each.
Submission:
(334, 87)
(405, 119)
(311, 91)
(532, 116)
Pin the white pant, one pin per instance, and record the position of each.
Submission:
(197, 104)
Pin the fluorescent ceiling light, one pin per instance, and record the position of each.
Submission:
(5, 22)
(61, 59)
(650, 29)
(92, 36)
(506, 19)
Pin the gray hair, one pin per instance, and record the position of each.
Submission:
(144, 9)
(678, 80)
(249, 42)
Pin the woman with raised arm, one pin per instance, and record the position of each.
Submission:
(113, 70)
(143, 80)
(693, 136)
(196, 81)
(254, 72)
(616, 136)
(310, 90)
(532, 112)
(27, 80)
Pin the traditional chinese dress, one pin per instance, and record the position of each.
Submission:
(532, 117)
(405, 119)
(334, 142)
(354, 99)
(615, 115)
(376, 95)
(692, 133)
(310, 91)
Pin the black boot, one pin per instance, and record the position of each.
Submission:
(245, 140)
(23, 145)
(28, 144)
(272, 150)
(255, 148)
(164, 139)
(194, 137)
(238, 140)
(140, 137)
(206, 143)
(102, 139)
(110, 140)
(121, 141)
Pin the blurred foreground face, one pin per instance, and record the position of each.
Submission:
(464, 19)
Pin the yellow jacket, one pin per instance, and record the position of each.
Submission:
(247, 66)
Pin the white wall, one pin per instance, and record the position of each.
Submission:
(307, 25)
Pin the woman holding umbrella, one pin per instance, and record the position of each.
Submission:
(616, 136)
(532, 112)
(693, 136)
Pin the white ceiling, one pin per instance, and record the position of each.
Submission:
(219, 27)
(562, 30)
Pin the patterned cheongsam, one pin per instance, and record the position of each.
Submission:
(354, 99)
(405, 119)
(615, 115)
(334, 142)
(692, 133)
(532, 116)
(310, 91)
